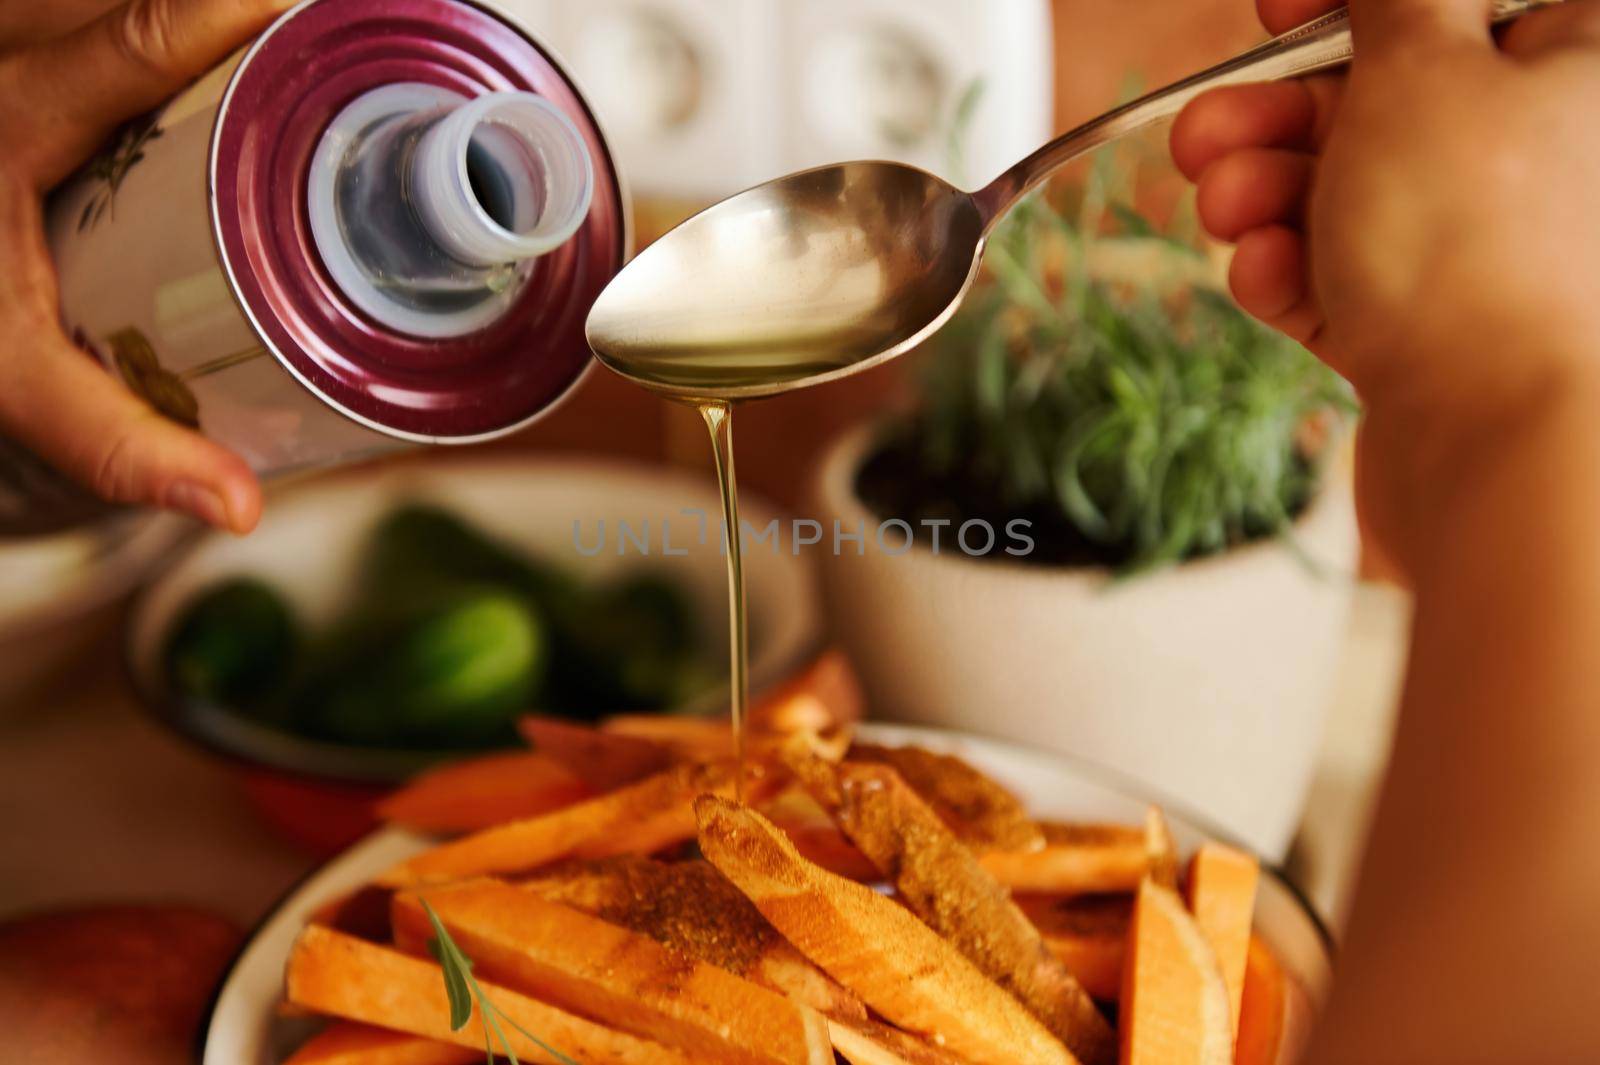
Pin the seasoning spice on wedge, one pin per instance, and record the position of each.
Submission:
(348, 1043)
(693, 909)
(640, 819)
(872, 945)
(1075, 860)
(981, 812)
(345, 977)
(1222, 896)
(595, 968)
(942, 882)
(1174, 1007)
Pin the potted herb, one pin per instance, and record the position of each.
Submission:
(1146, 529)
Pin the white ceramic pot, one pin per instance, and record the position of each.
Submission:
(1207, 682)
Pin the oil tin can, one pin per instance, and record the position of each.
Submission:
(382, 223)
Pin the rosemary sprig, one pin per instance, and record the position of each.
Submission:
(461, 989)
(1099, 377)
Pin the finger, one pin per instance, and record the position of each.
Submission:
(76, 417)
(1387, 27)
(24, 24)
(1270, 280)
(64, 406)
(65, 97)
(1281, 16)
(1284, 114)
(1254, 188)
(1575, 23)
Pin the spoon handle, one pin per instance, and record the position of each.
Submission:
(1322, 44)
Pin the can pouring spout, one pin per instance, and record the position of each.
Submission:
(502, 179)
(428, 210)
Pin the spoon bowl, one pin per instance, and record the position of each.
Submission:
(811, 277)
(829, 272)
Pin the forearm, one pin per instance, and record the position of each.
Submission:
(1473, 937)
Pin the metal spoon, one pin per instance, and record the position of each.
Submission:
(829, 272)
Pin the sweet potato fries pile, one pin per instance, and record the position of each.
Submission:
(862, 904)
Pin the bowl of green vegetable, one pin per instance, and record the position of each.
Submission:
(376, 625)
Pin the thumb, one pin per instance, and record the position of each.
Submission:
(68, 410)
(1387, 26)
(65, 96)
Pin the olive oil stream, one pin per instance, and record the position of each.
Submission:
(718, 416)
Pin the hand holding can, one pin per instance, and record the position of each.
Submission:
(67, 88)
(380, 224)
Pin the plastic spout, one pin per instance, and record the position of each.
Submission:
(544, 187)
(428, 210)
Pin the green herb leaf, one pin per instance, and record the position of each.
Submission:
(457, 971)
(1133, 399)
(461, 988)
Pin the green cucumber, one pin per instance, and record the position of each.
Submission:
(450, 668)
(234, 646)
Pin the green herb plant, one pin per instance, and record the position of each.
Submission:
(1101, 376)
(461, 988)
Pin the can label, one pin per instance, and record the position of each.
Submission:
(142, 290)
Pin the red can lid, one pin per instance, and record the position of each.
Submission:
(289, 87)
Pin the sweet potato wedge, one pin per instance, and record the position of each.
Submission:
(1075, 860)
(580, 963)
(702, 739)
(363, 913)
(1222, 896)
(1277, 1016)
(824, 696)
(941, 880)
(1174, 1000)
(691, 908)
(1162, 851)
(870, 944)
(604, 761)
(641, 819)
(819, 840)
(871, 1043)
(1089, 933)
(982, 813)
(347, 1043)
(483, 792)
(338, 975)
(826, 846)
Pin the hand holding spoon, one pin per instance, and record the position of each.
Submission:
(829, 272)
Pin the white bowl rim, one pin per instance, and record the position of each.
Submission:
(149, 543)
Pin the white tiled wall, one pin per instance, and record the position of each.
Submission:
(705, 97)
